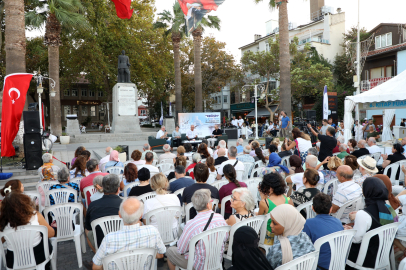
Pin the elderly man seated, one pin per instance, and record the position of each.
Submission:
(340, 140)
(373, 148)
(232, 159)
(49, 170)
(239, 145)
(162, 134)
(362, 150)
(149, 159)
(147, 149)
(131, 236)
(178, 256)
(343, 151)
(246, 157)
(221, 157)
(222, 144)
(105, 159)
(167, 154)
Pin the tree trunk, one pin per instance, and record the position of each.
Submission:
(197, 43)
(178, 83)
(55, 102)
(15, 45)
(284, 57)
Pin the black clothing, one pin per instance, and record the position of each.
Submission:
(139, 190)
(108, 205)
(190, 190)
(217, 132)
(171, 175)
(220, 160)
(394, 158)
(327, 144)
(402, 124)
(285, 153)
(360, 152)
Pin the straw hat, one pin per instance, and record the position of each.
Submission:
(368, 163)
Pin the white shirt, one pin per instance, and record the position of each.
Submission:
(210, 151)
(374, 149)
(149, 167)
(346, 191)
(240, 122)
(358, 133)
(303, 145)
(167, 156)
(234, 122)
(160, 134)
(238, 167)
(297, 179)
(362, 224)
(191, 134)
(104, 160)
(158, 202)
(271, 127)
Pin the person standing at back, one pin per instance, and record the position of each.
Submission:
(324, 127)
(285, 124)
(327, 143)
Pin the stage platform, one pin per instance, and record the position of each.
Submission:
(95, 137)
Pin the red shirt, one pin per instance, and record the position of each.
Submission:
(88, 181)
(335, 150)
(227, 190)
(191, 166)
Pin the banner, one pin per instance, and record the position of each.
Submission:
(325, 103)
(195, 10)
(203, 122)
(14, 94)
(161, 120)
(123, 8)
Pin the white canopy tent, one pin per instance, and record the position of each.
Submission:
(385, 97)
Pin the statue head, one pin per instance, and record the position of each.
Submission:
(123, 52)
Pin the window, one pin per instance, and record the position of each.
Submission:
(66, 110)
(383, 41)
(74, 92)
(366, 74)
(84, 110)
(100, 93)
(92, 110)
(75, 109)
(143, 112)
(84, 93)
(225, 99)
(91, 93)
(267, 47)
(66, 93)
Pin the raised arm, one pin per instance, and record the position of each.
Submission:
(311, 129)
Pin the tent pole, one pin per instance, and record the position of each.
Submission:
(358, 66)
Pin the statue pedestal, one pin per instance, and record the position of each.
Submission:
(72, 127)
(169, 124)
(125, 109)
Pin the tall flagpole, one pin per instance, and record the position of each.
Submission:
(358, 66)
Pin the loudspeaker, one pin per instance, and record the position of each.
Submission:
(33, 151)
(31, 122)
(311, 115)
(268, 142)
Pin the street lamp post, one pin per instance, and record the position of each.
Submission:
(255, 102)
(40, 90)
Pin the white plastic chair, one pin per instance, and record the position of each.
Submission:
(102, 167)
(308, 209)
(22, 241)
(394, 168)
(215, 204)
(364, 156)
(285, 161)
(349, 206)
(60, 196)
(253, 222)
(376, 156)
(164, 167)
(252, 185)
(223, 205)
(64, 215)
(213, 241)
(128, 187)
(333, 182)
(188, 163)
(115, 170)
(305, 262)
(262, 233)
(179, 191)
(131, 260)
(127, 162)
(386, 236)
(42, 188)
(257, 171)
(259, 164)
(88, 192)
(164, 217)
(340, 244)
(76, 180)
(146, 196)
(35, 197)
(248, 166)
(107, 224)
(167, 160)
(240, 175)
(219, 183)
(173, 179)
(402, 264)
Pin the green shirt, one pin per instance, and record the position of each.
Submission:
(373, 134)
(343, 155)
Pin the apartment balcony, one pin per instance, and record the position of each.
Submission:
(314, 39)
(369, 84)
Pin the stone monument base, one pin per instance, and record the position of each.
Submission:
(125, 109)
(169, 124)
(72, 127)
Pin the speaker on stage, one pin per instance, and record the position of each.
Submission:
(33, 151)
(311, 115)
(31, 122)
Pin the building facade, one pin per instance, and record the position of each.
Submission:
(220, 101)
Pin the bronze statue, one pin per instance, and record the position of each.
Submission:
(123, 68)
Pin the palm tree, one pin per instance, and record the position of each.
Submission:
(66, 15)
(174, 24)
(209, 22)
(284, 56)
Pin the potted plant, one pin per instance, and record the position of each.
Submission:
(122, 153)
(64, 138)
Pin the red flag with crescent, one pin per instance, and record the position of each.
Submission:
(14, 94)
(123, 8)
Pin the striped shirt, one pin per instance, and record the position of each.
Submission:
(346, 191)
(129, 238)
(195, 227)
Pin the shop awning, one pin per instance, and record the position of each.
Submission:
(262, 112)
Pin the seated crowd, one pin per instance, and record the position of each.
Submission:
(290, 173)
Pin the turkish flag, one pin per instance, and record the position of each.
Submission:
(123, 8)
(14, 94)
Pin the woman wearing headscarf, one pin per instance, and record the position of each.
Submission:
(114, 160)
(287, 224)
(375, 214)
(393, 201)
(274, 161)
(246, 254)
(295, 164)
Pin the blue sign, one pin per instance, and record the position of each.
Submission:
(397, 104)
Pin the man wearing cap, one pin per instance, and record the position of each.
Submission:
(362, 150)
(367, 168)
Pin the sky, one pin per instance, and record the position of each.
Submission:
(240, 22)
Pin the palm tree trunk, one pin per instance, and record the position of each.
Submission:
(284, 57)
(178, 83)
(197, 43)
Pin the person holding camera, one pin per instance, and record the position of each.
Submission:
(301, 143)
(327, 143)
